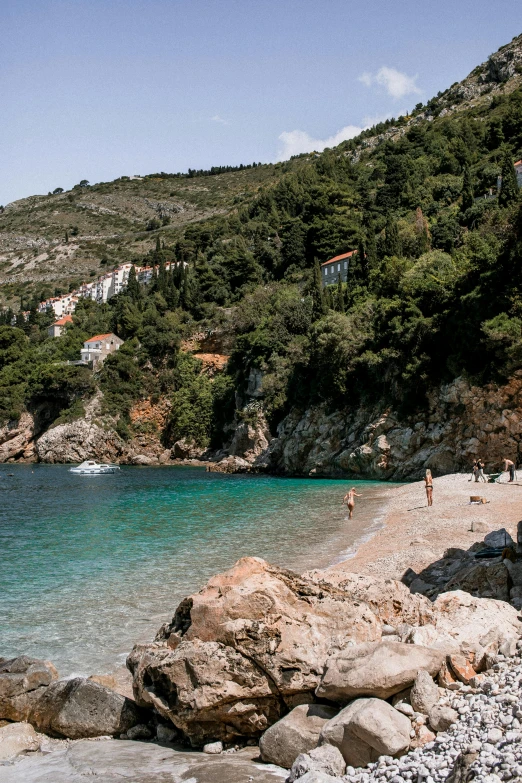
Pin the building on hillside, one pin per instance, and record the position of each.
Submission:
(55, 330)
(339, 265)
(97, 348)
(60, 305)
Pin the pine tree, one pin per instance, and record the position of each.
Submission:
(340, 305)
(467, 189)
(162, 277)
(509, 188)
(318, 296)
(392, 242)
(133, 287)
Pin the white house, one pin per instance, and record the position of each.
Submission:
(97, 348)
(55, 330)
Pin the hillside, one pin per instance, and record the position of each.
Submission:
(434, 294)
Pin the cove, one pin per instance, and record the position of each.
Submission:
(89, 565)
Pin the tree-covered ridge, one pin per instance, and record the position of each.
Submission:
(434, 290)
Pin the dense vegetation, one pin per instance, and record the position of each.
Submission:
(434, 290)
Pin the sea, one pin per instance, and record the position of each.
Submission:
(90, 565)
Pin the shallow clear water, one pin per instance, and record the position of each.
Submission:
(91, 564)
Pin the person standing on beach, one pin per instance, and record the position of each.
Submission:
(429, 487)
(476, 470)
(349, 499)
(509, 466)
(480, 470)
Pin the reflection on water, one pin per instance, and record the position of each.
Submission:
(91, 564)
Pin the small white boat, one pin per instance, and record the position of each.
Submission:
(92, 468)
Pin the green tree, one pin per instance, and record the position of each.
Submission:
(319, 308)
(392, 242)
(509, 187)
(467, 190)
(340, 303)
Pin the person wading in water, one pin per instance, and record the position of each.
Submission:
(429, 487)
(349, 499)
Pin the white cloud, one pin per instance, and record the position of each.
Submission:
(297, 141)
(220, 120)
(395, 83)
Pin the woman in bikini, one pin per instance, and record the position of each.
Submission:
(349, 499)
(429, 487)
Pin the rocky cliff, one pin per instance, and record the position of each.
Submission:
(461, 422)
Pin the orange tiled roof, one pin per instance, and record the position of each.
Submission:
(518, 163)
(339, 258)
(98, 337)
(67, 319)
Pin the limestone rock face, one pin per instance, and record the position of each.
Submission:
(367, 729)
(16, 738)
(298, 732)
(16, 439)
(81, 708)
(376, 669)
(263, 633)
(77, 441)
(373, 444)
(22, 682)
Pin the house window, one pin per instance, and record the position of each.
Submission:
(346, 264)
(326, 270)
(338, 267)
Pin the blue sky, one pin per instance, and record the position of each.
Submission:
(94, 89)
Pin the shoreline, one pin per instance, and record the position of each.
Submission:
(414, 536)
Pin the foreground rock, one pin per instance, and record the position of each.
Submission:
(82, 708)
(376, 669)
(23, 681)
(17, 738)
(114, 761)
(298, 732)
(245, 649)
(367, 729)
(326, 759)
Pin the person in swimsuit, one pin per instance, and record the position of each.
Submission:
(509, 465)
(349, 499)
(429, 487)
(480, 469)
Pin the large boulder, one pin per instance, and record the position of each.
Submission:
(81, 708)
(298, 732)
(485, 581)
(17, 738)
(208, 690)
(257, 632)
(326, 759)
(22, 682)
(465, 622)
(376, 669)
(367, 729)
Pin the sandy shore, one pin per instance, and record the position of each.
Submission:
(413, 535)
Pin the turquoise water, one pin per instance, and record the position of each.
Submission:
(91, 564)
